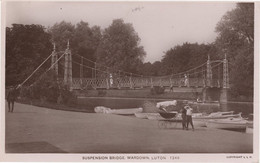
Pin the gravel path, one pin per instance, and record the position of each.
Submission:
(32, 129)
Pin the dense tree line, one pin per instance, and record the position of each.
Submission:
(118, 47)
(26, 47)
(236, 39)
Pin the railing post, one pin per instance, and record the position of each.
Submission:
(142, 82)
(118, 80)
(107, 80)
(131, 82)
(151, 82)
(95, 70)
(180, 81)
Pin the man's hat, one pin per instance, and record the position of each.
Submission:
(187, 106)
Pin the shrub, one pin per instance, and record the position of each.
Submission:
(157, 90)
(47, 88)
(102, 92)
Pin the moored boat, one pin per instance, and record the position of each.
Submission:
(250, 127)
(201, 120)
(215, 103)
(218, 115)
(101, 109)
(221, 113)
(228, 123)
(129, 111)
(106, 110)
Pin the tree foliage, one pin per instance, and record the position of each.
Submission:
(84, 41)
(119, 47)
(47, 89)
(27, 46)
(184, 57)
(236, 39)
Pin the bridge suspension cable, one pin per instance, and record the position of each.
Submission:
(34, 71)
(49, 68)
(90, 67)
(138, 75)
(109, 67)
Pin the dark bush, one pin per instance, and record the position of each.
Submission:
(213, 94)
(157, 90)
(47, 88)
(102, 92)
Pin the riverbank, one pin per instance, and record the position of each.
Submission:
(32, 129)
(87, 105)
(178, 93)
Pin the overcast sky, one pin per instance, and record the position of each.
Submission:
(160, 25)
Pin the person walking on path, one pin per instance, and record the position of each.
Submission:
(189, 116)
(11, 96)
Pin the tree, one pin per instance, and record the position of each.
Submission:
(119, 47)
(184, 57)
(236, 39)
(27, 46)
(61, 33)
(84, 41)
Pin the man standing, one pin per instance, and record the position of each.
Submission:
(11, 98)
(189, 116)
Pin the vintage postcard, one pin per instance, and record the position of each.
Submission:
(129, 81)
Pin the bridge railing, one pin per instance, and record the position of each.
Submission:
(134, 82)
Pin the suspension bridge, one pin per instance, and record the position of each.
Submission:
(212, 73)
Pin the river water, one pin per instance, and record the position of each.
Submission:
(120, 103)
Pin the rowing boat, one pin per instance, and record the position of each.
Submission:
(228, 123)
(129, 111)
(106, 110)
(250, 127)
(218, 115)
(201, 120)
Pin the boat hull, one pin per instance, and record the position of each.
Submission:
(249, 127)
(217, 117)
(227, 124)
(130, 111)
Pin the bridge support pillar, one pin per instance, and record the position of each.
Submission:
(68, 68)
(54, 59)
(223, 95)
(209, 73)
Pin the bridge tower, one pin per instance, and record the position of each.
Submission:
(209, 73)
(224, 92)
(68, 67)
(225, 73)
(54, 58)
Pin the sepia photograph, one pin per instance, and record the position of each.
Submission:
(129, 81)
